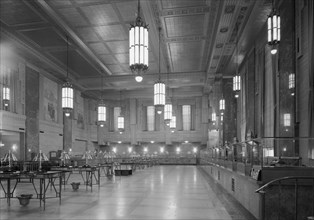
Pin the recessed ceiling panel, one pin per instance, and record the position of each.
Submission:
(77, 63)
(59, 3)
(114, 68)
(89, 1)
(45, 37)
(128, 10)
(87, 34)
(73, 17)
(185, 25)
(167, 4)
(108, 59)
(100, 14)
(13, 12)
(112, 32)
(122, 57)
(119, 46)
(186, 56)
(99, 48)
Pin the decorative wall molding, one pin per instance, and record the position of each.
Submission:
(12, 122)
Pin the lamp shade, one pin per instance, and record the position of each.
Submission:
(173, 122)
(168, 113)
(6, 93)
(286, 119)
(291, 81)
(101, 111)
(9, 157)
(159, 95)
(213, 117)
(40, 157)
(67, 98)
(222, 104)
(236, 83)
(273, 30)
(120, 123)
(138, 46)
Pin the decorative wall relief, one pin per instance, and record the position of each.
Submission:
(50, 100)
(80, 111)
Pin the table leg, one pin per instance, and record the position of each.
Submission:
(9, 191)
(60, 188)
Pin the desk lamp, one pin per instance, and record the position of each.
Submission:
(87, 156)
(40, 157)
(9, 157)
(64, 156)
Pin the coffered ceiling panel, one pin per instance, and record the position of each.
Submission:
(116, 69)
(154, 68)
(108, 59)
(99, 48)
(112, 32)
(198, 39)
(73, 17)
(122, 57)
(87, 34)
(84, 2)
(182, 3)
(119, 46)
(59, 3)
(128, 10)
(184, 25)
(17, 12)
(186, 56)
(76, 63)
(100, 14)
(44, 37)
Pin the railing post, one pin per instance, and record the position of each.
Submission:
(262, 205)
(279, 198)
(296, 198)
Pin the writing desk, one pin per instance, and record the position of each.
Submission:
(90, 174)
(46, 179)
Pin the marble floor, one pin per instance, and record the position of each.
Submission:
(160, 192)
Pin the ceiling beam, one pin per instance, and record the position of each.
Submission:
(164, 76)
(73, 36)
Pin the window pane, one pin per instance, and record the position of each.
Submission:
(186, 117)
(150, 118)
(116, 114)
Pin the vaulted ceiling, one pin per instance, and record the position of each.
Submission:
(198, 39)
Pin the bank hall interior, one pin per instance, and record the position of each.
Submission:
(157, 109)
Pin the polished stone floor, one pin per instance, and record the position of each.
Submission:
(160, 192)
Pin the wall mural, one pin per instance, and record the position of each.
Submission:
(80, 111)
(50, 100)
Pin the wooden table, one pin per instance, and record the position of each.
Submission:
(90, 172)
(46, 179)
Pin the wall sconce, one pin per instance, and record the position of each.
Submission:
(292, 83)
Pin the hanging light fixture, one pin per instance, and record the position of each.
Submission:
(168, 105)
(292, 83)
(222, 105)
(237, 78)
(138, 46)
(236, 85)
(67, 90)
(168, 113)
(173, 123)
(6, 96)
(273, 30)
(120, 119)
(159, 89)
(121, 124)
(213, 118)
(101, 111)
